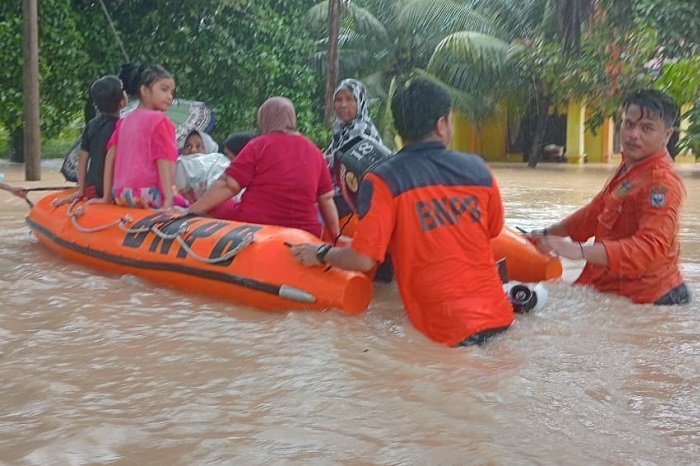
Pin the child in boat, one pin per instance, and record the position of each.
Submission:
(109, 98)
(199, 142)
(235, 142)
(199, 165)
(140, 163)
(16, 190)
(196, 172)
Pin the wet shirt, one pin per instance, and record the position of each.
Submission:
(284, 174)
(436, 210)
(636, 218)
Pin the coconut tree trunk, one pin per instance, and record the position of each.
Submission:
(32, 132)
(542, 110)
(332, 65)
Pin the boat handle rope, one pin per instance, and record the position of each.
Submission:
(247, 239)
(74, 213)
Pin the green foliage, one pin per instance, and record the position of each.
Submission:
(677, 22)
(681, 78)
(232, 54)
(61, 60)
(387, 42)
(690, 138)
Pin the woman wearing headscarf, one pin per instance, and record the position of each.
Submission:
(351, 124)
(351, 116)
(199, 166)
(199, 142)
(284, 173)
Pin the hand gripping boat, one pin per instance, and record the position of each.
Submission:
(246, 263)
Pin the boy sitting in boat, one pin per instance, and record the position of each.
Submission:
(235, 142)
(109, 98)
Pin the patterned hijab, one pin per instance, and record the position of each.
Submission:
(344, 131)
(277, 114)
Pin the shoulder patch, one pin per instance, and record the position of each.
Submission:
(658, 196)
(624, 187)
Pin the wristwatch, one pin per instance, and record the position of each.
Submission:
(322, 251)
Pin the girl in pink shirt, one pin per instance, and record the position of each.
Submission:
(140, 162)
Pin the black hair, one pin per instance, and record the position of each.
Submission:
(235, 142)
(654, 102)
(134, 76)
(106, 93)
(418, 106)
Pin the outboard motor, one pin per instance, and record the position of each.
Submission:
(352, 161)
(525, 297)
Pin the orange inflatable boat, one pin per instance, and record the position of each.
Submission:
(524, 262)
(246, 263)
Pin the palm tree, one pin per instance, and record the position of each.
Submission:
(485, 51)
(332, 65)
(385, 50)
(538, 31)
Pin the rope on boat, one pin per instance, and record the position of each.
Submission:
(247, 239)
(74, 213)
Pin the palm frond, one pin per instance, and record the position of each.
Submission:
(444, 16)
(519, 18)
(317, 19)
(474, 106)
(354, 18)
(365, 23)
(482, 51)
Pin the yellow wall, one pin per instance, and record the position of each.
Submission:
(599, 146)
(464, 135)
(490, 139)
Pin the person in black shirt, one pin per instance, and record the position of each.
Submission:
(108, 95)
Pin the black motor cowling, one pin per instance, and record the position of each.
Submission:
(352, 161)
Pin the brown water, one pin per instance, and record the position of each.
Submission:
(104, 369)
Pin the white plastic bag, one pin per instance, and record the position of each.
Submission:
(195, 173)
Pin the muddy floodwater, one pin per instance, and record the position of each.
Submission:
(105, 369)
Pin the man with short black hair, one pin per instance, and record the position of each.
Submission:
(108, 96)
(436, 210)
(635, 218)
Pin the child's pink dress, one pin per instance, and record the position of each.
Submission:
(142, 137)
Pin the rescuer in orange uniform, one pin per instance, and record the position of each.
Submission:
(436, 210)
(635, 218)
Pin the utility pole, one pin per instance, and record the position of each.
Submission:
(332, 65)
(32, 129)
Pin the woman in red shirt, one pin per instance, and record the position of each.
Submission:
(285, 175)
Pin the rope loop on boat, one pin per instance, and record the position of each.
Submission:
(122, 222)
(74, 213)
(245, 241)
(128, 219)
